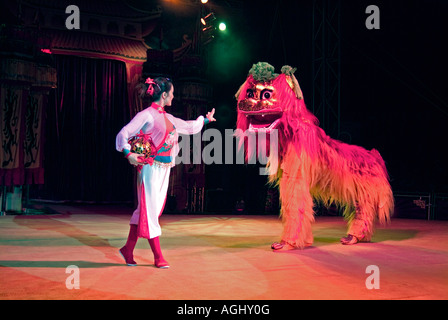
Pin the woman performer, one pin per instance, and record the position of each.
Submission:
(153, 173)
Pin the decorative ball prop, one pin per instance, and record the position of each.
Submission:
(142, 144)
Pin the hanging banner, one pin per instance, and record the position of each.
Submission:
(33, 139)
(11, 164)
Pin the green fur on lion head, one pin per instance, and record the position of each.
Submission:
(263, 71)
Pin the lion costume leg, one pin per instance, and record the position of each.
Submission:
(360, 228)
(369, 209)
(296, 212)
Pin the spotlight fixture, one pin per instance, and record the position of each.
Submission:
(204, 1)
(209, 28)
(208, 19)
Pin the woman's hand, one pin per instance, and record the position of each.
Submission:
(134, 159)
(210, 115)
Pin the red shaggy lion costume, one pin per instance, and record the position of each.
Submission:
(311, 165)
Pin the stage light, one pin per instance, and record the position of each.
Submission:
(209, 28)
(204, 1)
(222, 26)
(208, 19)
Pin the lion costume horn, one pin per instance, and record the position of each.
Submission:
(292, 81)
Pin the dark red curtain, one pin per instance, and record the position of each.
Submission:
(85, 113)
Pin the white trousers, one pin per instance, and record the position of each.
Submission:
(152, 187)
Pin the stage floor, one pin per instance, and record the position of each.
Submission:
(216, 258)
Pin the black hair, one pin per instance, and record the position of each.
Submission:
(158, 86)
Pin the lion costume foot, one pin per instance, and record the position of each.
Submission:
(349, 240)
(283, 246)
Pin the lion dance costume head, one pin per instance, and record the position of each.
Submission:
(311, 165)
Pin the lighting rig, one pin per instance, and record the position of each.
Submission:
(208, 24)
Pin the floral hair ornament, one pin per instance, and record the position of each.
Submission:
(151, 84)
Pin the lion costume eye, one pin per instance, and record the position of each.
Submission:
(250, 93)
(266, 94)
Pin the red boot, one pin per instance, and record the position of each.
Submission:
(159, 261)
(127, 252)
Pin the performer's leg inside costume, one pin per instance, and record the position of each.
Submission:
(360, 227)
(297, 214)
